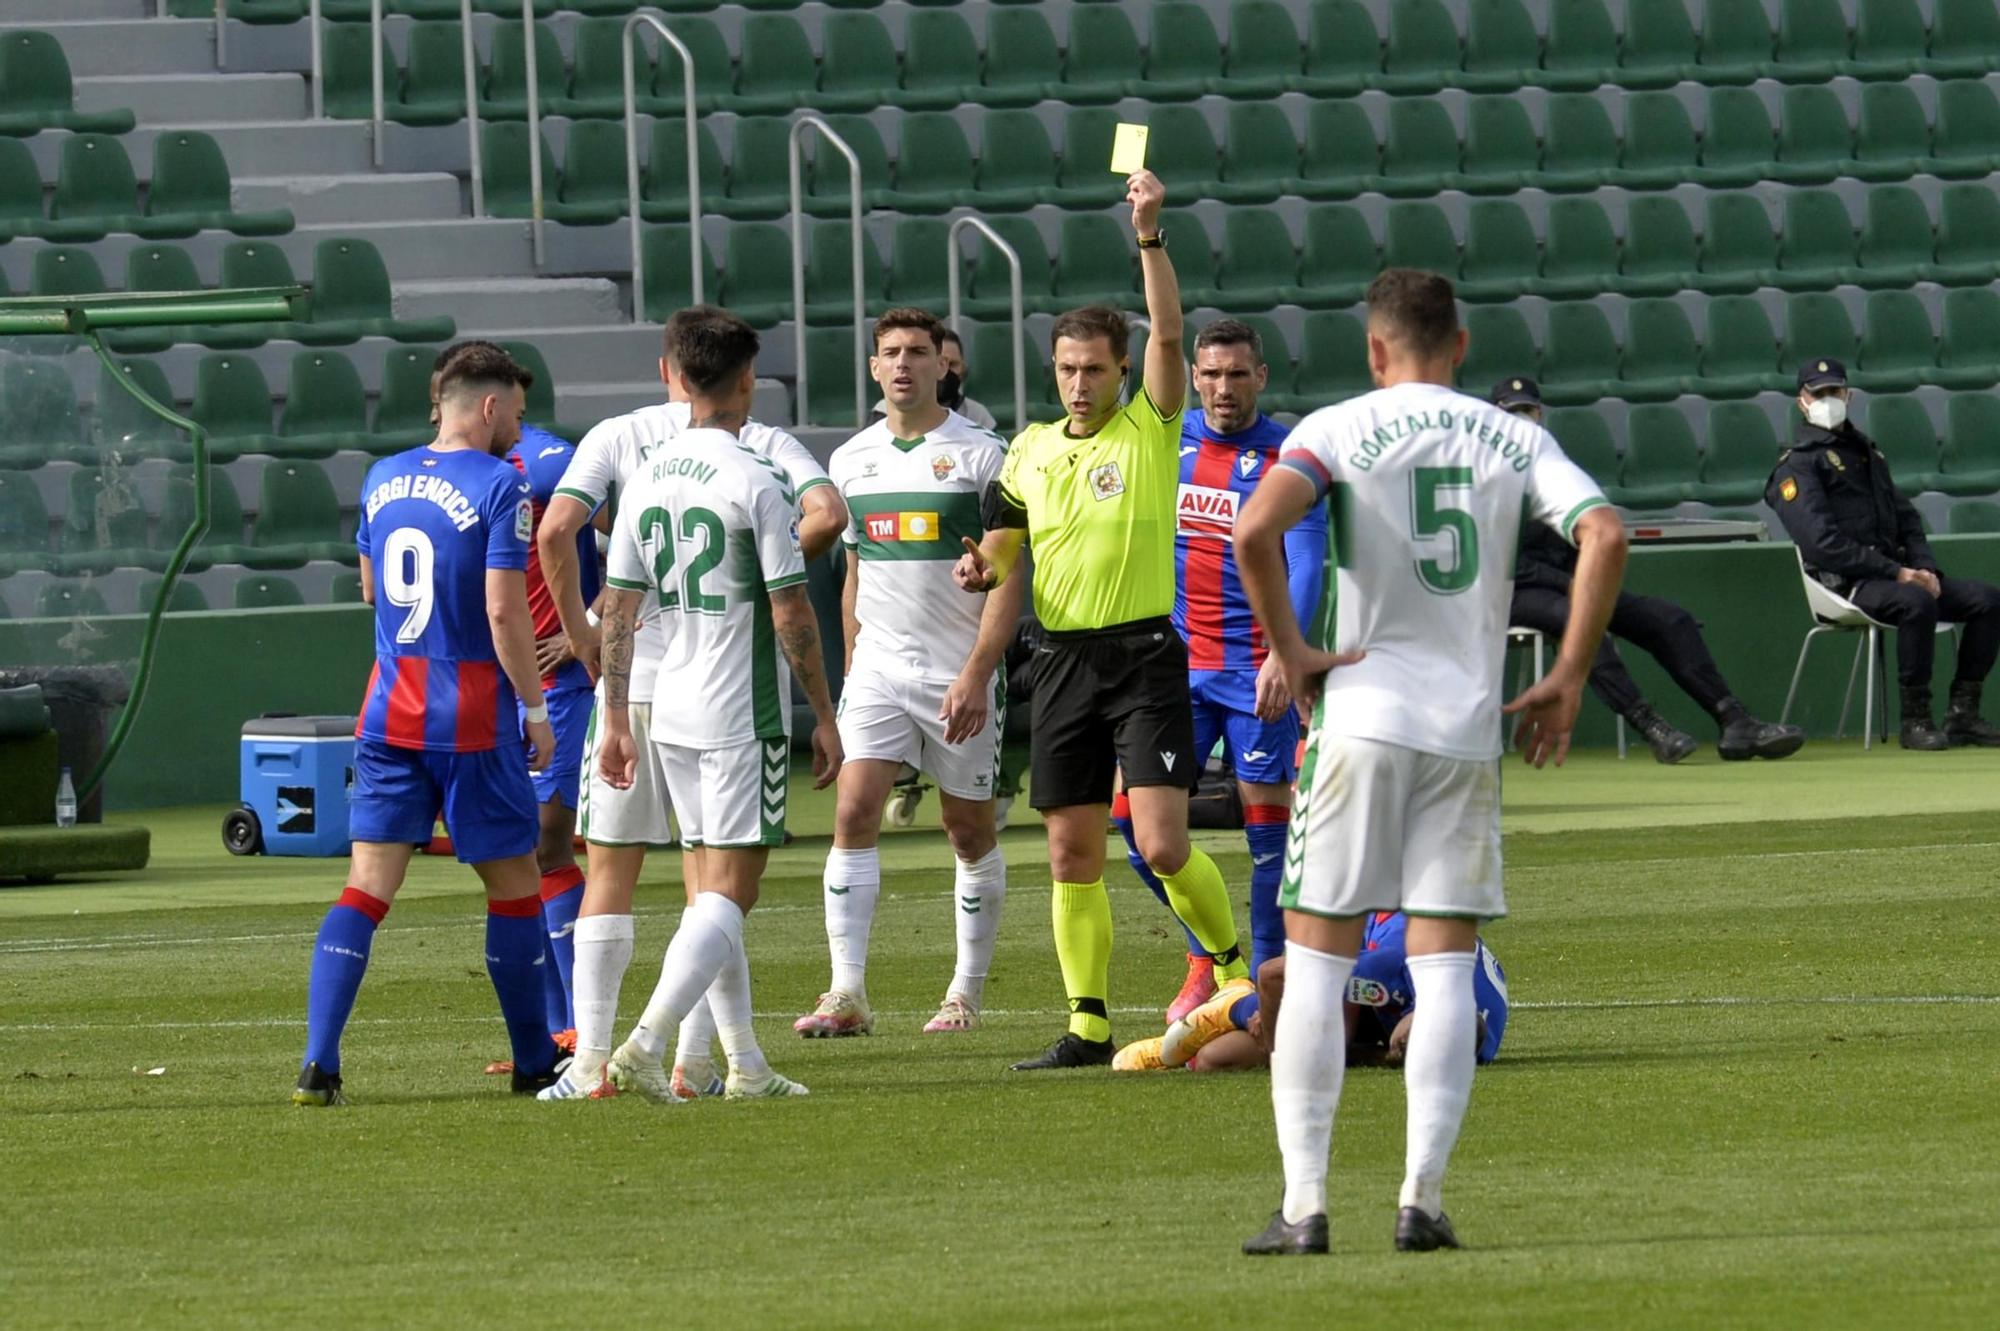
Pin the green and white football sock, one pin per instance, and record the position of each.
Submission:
(978, 889)
(853, 883)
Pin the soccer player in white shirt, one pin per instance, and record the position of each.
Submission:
(706, 529)
(922, 660)
(621, 825)
(1398, 803)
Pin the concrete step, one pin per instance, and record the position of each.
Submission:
(251, 147)
(177, 99)
(348, 200)
(531, 307)
(142, 45)
(41, 13)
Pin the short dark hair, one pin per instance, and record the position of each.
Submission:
(1418, 307)
(1093, 321)
(444, 357)
(709, 345)
(1231, 333)
(482, 364)
(908, 316)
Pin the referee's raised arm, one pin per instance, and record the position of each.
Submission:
(1166, 364)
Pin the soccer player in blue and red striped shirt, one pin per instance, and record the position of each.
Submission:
(1239, 695)
(444, 541)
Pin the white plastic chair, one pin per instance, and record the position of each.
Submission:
(1834, 613)
(1520, 635)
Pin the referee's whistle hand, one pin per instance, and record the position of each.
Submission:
(972, 573)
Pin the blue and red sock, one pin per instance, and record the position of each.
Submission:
(340, 960)
(515, 959)
(1121, 815)
(562, 898)
(1266, 827)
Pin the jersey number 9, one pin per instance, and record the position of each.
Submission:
(408, 561)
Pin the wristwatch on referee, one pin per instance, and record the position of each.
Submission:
(1156, 241)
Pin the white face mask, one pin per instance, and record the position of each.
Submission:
(1827, 413)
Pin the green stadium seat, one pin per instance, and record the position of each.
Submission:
(1737, 142)
(1817, 324)
(1105, 59)
(1662, 463)
(1260, 152)
(1735, 43)
(1501, 147)
(245, 263)
(1181, 148)
(433, 76)
(161, 268)
(186, 598)
(345, 589)
(1969, 461)
(298, 518)
(1581, 45)
(714, 70)
(1969, 351)
(1896, 244)
(1502, 48)
(1889, 38)
(775, 65)
(223, 542)
(1579, 145)
(1659, 147)
(940, 60)
(70, 600)
(669, 274)
(828, 193)
(1183, 54)
(96, 190)
(989, 286)
(325, 408)
(1973, 517)
(20, 189)
(1502, 256)
(1742, 450)
(1904, 431)
(935, 166)
(1340, 152)
(1739, 350)
(503, 153)
(24, 524)
(1333, 359)
(1816, 240)
(1259, 264)
(1343, 49)
(1893, 139)
(245, 11)
(1265, 54)
(1084, 178)
(1419, 145)
(105, 525)
(1094, 260)
(232, 404)
(39, 419)
(597, 71)
(830, 379)
(1422, 49)
(190, 191)
(541, 408)
(1497, 343)
(265, 591)
(1968, 228)
(1021, 58)
(1195, 259)
(62, 270)
(1660, 251)
(663, 183)
(1813, 40)
(858, 68)
(1579, 353)
(1965, 38)
(350, 299)
(36, 92)
(1418, 235)
(1016, 161)
(124, 431)
(1738, 246)
(593, 188)
(505, 93)
(403, 409)
(830, 273)
(1580, 251)
(349, 75)
(920, 260)
(990, 358)
(1337, 257)
(1658, 46)
(1659, 354)
(1586, 440)
(1815, 142)
(1965, 137)
(757, 272)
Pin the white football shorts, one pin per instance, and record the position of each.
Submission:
(638, 816)
(730, 798)
(895, 718)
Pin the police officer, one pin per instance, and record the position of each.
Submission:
(1664, 630)
(1860, 537)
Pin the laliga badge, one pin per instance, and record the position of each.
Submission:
(1789, 490)
(1106, 482)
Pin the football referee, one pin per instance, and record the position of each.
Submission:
(1093, 495)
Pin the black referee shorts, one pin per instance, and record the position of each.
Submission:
(1105, 699)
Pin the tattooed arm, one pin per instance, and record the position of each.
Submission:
(798, 633)
(618, 755)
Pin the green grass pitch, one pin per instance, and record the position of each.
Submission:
(1752, 1079)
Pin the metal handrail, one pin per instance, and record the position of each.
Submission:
(472, 108)
(632, 159)
(804, 121)
(221, 31)
(318, 61)
(952, 281)
(528, 35)
(375, 74)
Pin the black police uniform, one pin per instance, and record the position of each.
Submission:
(1834, 492)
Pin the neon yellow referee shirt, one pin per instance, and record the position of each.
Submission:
(1100, 516)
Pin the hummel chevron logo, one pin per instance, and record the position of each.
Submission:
(970, 905)
(832, 890)
(1167, 756)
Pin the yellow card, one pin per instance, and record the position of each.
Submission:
(1128, 150)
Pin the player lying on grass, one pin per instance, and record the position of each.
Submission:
(922, 684)
(1233, 1032)
(619, 824)
(444, 541)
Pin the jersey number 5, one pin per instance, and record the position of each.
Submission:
(1430, 521)
(408, 560)
(656, 535)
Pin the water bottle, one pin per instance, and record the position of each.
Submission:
(65, 801)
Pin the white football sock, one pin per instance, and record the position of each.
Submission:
(979, 889)
(697, 1039)
(603, 951)
(853, 881)
(1437, 1071)
(1308, 1061)
(729, 997)
(711, 929)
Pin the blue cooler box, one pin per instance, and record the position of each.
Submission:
(298, 774)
